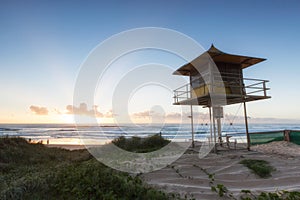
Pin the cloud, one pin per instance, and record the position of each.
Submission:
(173, 115)
(56, 111)
(82, 109)
(109, 114)
(150, 113)
(39, 110)
(143, 114)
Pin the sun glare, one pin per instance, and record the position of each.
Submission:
(65, 118)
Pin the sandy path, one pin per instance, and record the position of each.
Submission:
(70, 146)
(186, 177)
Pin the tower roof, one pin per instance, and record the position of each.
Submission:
(217, 56)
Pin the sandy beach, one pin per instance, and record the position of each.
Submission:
(187, 175)
(66, 146)
(70, 147)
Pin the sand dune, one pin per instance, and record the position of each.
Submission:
(187, 175)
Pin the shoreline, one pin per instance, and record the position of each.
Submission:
(276, 147)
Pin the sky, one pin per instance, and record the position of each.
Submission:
(44, 43)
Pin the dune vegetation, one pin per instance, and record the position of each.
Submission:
(34, 171)
(141, 145)
(259, 167)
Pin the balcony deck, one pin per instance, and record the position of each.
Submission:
(254, 90)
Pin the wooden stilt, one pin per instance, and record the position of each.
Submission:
(219, 131)
(210, 124)
(192, 124)
(214, 129)
(246, 124)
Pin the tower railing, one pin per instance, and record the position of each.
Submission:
(228, 81)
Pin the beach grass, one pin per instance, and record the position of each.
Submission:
(33, 171)
(261, 168)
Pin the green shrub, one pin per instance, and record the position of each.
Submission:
(260, 167)
(278, 195)
(92, 180)
(34, 171)
(141, 145)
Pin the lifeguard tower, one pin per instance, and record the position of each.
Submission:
(216, 80)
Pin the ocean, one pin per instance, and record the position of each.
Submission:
(71, 134)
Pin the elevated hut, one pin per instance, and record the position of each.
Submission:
(216, 80)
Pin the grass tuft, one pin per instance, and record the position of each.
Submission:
(260, 167)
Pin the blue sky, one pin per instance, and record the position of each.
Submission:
(43, 44)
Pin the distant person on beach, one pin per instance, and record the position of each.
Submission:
(47, 141)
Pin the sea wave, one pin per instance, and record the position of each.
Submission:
(170, 131)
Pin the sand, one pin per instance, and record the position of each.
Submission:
(186, 177)
(280, 148)
(70, 147)
(66, 146)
